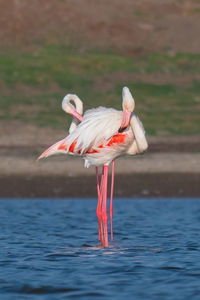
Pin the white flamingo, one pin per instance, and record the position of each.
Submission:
(100, 136)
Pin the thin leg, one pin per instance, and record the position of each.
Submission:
(104, 205)
(101, 234)
(112, 188)
(101, 193)
(105, 232)
(98, 210)
(97, 175)
(111, 199)
(99, 204)
(104, 192)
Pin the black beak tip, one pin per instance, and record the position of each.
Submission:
(121, 129)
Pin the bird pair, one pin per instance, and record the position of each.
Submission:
(99, 136)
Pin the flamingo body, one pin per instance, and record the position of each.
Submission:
(97, 139)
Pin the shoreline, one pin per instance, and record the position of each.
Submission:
(159, 185)
(170, 167)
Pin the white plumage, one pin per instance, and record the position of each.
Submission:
(92, 137)
(97, 127)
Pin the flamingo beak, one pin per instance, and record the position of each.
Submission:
(125, 120)
(76, 115)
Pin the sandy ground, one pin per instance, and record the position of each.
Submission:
(159, 163)
(171, 167)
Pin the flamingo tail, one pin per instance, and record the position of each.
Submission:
(56, 148)
(62, 147)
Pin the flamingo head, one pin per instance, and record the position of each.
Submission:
(77, 110)
(128, 105)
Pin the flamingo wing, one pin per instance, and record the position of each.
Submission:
(99, 125)
(62, 146)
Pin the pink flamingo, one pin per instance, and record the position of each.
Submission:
(100, 136)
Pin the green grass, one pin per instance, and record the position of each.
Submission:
(175, 64)
(51, 72)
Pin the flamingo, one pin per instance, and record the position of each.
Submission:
(99, 137)
(77, 112)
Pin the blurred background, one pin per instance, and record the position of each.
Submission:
(94, 48)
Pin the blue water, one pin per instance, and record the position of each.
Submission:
(49, 249)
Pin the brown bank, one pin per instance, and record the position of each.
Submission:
(136, 185)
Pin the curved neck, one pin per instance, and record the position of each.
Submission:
(78, 104)
(75, 109)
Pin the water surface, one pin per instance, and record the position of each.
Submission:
(49, 249)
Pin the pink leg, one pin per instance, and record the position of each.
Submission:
(99, 205)
(98, 187)
(112, 189)
(101, 233)
(98, 210)
(104, 204)
(104, 191)
(105, 232)
(100, 192)
(111, 199)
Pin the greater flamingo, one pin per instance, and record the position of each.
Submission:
(100, 136)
